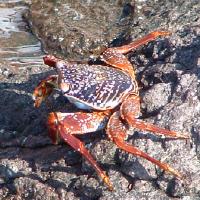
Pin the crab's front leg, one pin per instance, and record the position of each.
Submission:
(44, 89)
(65, 125)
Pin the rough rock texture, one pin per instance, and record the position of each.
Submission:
(75, 29)
(168, 72)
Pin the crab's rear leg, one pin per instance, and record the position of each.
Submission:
(65, 125)
(117, 132)
(129, 111)
(114, 56)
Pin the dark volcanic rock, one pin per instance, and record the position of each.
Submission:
(75, 28)
(168, 72)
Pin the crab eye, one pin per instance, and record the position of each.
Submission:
(65, 87)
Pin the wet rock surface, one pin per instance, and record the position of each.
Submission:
(75, 29)
(168, 72)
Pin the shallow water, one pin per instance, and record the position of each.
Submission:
(17, 44)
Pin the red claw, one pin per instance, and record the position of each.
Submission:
(44, 89)
(50, 60)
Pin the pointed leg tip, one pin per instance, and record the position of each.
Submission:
(179, 176)
(187, 137)
(107, 182)
(111, 188)
(174, 172)
(184, 136)
(161, 33)
(166, 33)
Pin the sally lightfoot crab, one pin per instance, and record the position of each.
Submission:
(109, 96)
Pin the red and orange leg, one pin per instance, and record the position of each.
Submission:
(129, 111)
(117, 132)
(114, 56)
(65, 125)
(141, 41)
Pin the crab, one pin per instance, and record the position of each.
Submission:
(108, 98)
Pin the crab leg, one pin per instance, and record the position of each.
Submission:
(64, 125)
(117, 133)
(139, 42)
(130, 111)
(114, 56)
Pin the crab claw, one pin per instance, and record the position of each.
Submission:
(44, 89)
(41, 92)
(50, 60)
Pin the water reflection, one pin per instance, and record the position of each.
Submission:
(17, 44)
